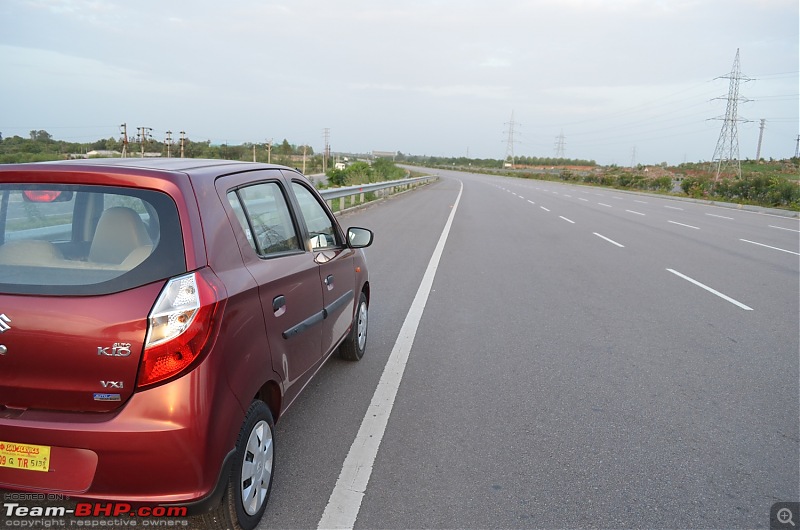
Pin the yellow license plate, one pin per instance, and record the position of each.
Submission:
(25, 456)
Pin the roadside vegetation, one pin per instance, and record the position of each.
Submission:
(769, 183)
(42, 147)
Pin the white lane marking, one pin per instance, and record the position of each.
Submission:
(773, 248)
(637, 213)
(720, 216)
(520, 196)
(687, 226)
(345, 500)
(543, 208)
(565, 195)
(604, 204)
(582, 199)
(555, 192)
(609, 240)
(673, 208)
(618, 198)
(530, 201)
(710, 290)
(641, 202)
(567, 220)
(782, 228)
(514, 194)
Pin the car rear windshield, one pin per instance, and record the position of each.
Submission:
(85, 240)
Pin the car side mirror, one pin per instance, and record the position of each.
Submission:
(359, 237)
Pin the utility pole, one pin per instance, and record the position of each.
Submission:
(326, 134)
(726, 154)
(168, 143)
(561, 145)
(254, 152)
(183, 142)
(305, 149)
(510, 142)
(797, 147)
(633, 157)
(141, 136)
(124, 127)
(269, 151)
(760, 137)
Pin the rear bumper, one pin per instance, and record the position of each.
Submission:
(168, 445)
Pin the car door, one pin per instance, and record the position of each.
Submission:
(336, 265)
(287, 275)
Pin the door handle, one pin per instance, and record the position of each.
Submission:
(278, 303)
(328, 280)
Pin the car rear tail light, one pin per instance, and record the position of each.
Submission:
(179, 327)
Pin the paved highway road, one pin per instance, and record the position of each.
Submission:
(585, 358)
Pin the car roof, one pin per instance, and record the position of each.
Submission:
(187, 165)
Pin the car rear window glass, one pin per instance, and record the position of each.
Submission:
(59, 239)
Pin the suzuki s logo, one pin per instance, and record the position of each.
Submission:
(111, 384)
(5, 323)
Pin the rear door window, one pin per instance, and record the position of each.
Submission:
(265, 218)
(86, 239)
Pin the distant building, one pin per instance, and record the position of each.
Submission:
(102, 153)
(384, 154)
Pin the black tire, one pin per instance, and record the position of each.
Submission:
(354, 346)
(243, 505)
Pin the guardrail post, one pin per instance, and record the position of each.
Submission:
(341, 203)
(361, 197)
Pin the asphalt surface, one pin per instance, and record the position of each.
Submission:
(586, 359)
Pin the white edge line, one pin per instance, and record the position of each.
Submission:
(773, 248)
(681, 224)
(567, 220)
(782, 228)
(345, 500)
(710, 290)
(609, 240)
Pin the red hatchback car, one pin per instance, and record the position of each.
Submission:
(156, 317)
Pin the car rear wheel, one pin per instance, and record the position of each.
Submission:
(354, 346)
(251, 477)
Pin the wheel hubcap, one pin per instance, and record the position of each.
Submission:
(257, 467)
(362, 326)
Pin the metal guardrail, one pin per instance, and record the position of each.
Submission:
(330, 194)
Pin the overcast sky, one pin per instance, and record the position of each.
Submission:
(622, 80)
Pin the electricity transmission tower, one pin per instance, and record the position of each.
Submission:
(561, 145)
(510, 145)
(726, 154)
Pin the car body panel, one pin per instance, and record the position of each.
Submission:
(170, 442)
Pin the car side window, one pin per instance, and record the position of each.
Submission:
(320, 227)
(265, 218)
